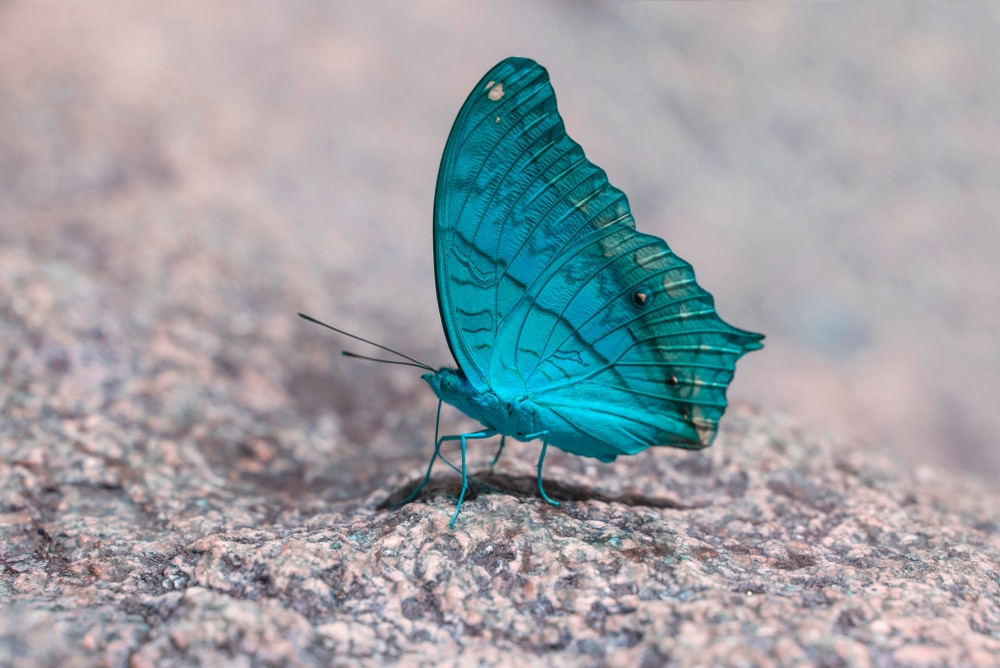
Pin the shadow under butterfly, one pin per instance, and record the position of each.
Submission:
(567, 324)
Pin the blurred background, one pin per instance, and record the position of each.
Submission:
(832, 171)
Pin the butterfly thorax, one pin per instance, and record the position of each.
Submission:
(515, 416)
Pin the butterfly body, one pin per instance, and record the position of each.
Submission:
(514, 415)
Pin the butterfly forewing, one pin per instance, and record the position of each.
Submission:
(513, 191)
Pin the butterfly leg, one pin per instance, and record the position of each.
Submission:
(503, 442)
(437, 453)
(541, 458)
(486, 433)
(427, 476)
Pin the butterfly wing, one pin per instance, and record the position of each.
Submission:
(547, 290)
(634, 355)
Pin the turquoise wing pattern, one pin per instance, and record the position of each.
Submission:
(547, 290)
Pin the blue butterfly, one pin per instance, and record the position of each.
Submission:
(567, 324)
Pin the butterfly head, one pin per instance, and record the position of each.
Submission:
(450, 385)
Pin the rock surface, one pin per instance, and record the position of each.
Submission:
(775, 546)
(189, 474)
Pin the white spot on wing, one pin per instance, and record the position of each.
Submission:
(496, 92)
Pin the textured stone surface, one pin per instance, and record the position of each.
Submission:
(776, 546)
(190, 474)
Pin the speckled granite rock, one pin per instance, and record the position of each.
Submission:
(775, 546)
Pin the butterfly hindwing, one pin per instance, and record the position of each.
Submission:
(633, 356)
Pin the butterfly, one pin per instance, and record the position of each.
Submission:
(566, 323)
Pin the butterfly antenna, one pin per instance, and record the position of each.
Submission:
(348, 353)
(411, 361)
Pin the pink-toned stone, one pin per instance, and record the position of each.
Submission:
(618, 582)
